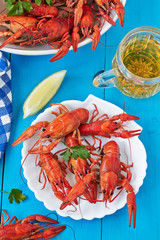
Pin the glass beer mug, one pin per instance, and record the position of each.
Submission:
(136, 65)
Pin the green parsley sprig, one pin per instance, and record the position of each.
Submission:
(17, 7)
(75, 152)
(15, 195)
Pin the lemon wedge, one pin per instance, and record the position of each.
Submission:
(43, 93)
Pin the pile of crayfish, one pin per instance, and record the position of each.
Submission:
(111, 172)
(60, 25)
(29, 228)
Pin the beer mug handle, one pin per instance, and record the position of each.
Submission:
(105, 79)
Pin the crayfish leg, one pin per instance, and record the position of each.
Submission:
(107, 17)
(62, 108)
(45, 149)
(124, 117)
(39, 218)
(126, 133)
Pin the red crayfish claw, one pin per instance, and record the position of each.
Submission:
(62, 51)
(119, 8)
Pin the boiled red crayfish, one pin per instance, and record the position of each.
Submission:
(65, 123)
(107, 127)
(87, 27)
(55, 172)
(80, 168)
(26, 229)
(56, 33)
(111, 177)
(19, 28)
(78, 189)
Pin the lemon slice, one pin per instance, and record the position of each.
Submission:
(42, 93)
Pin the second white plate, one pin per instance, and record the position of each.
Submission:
(45, 49)
(135, 152)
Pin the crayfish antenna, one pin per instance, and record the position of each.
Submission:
(39, 218)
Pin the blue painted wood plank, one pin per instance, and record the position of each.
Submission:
(27, 72)
(147, 226)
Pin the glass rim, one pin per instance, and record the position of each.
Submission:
(123, 68)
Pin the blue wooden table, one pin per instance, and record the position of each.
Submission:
(28, 71)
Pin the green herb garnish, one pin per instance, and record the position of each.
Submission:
(16, 195)
(75, 152)
(17, 7)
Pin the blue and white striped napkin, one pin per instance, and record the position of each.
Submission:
(5, 103)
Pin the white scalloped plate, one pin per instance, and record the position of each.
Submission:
(88, 211)
(45, 49)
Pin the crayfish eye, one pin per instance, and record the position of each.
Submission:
(86, 172)
(61, 181)
(7, 22)
(115, 122)
(112, 193)
(47, 136)
(104, 191)
(43, 129)
(45, 35)
(80, 174)
(56, 183)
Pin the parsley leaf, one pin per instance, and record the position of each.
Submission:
(38, 2)
(75, 151)
(17, 7)
(27, 6)
(16, 195)
(49, 2)
(66, 155)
